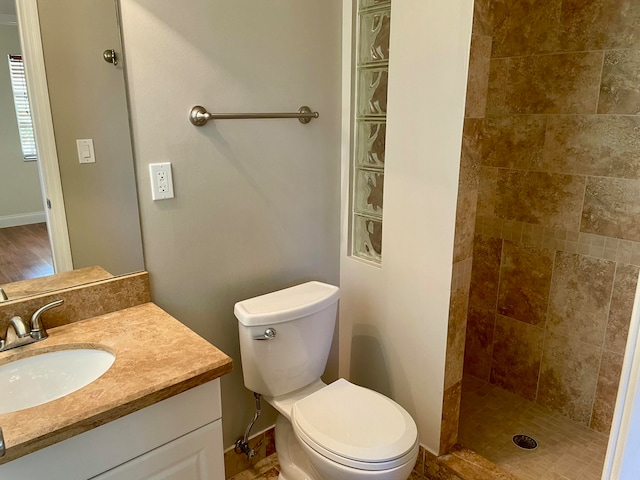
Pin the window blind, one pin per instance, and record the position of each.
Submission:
(23, 111)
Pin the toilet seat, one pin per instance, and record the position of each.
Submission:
(355, 427)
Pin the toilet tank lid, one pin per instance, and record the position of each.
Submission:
(285, 305)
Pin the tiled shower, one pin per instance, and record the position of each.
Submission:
(549, 204)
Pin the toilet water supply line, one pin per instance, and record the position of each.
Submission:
(242, 445)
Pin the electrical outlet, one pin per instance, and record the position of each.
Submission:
(161, 181)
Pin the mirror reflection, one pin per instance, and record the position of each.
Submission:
(87, 99)
(24, 244)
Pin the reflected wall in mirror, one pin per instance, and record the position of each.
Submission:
(88, 101)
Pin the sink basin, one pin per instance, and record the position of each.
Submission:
(45, 377)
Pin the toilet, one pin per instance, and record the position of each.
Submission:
(339, 431)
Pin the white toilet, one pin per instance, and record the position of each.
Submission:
(324, 432)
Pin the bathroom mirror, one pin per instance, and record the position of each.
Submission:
(88, 101)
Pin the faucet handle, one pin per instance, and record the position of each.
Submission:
(38, 331)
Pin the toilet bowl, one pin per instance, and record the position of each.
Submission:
(339, 431)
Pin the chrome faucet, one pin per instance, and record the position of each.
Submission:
(19, 333)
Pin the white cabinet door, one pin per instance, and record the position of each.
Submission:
(195, 456)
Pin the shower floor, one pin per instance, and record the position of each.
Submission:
(490, 416)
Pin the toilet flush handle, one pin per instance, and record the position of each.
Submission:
(268, 334)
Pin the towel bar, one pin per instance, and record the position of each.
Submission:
(199, 115)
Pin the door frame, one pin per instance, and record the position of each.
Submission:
(48, 167)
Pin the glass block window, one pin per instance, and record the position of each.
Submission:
(367, 178)
(23, 111)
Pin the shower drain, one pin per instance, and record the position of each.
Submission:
(525, 441)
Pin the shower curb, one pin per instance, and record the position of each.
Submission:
(462, 464)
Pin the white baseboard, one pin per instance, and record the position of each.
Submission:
(22, 219)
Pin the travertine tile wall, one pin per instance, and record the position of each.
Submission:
(478, 78)
(556, 254)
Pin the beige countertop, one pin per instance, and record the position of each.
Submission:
(35, 286)
(156, 357)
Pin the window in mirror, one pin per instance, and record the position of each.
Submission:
(23, 112)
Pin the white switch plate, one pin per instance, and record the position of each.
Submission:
(86, 153)
(161, 181)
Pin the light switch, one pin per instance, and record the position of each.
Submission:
(86, 154)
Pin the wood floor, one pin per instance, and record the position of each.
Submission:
(25, 253)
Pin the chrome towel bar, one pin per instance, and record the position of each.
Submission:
(199, 115)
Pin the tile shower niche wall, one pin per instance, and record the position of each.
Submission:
(371, 112)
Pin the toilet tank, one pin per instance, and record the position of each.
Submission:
(303, 318)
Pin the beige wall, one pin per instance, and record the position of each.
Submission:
(19, 182)
(257, 201)
(394, 318)
(88, 101)
(557, 251)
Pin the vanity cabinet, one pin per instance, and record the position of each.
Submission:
(195, 456)
(179, 438)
